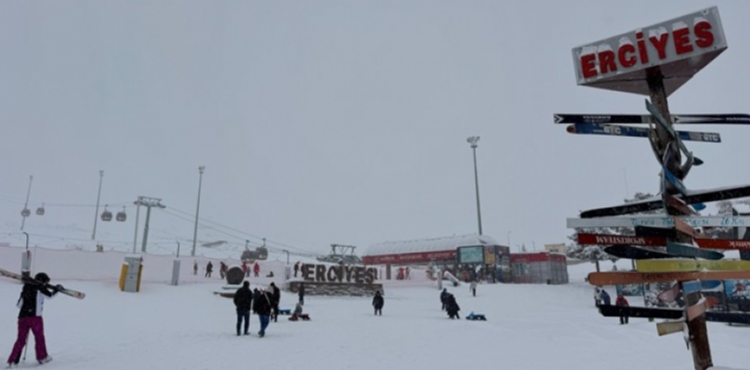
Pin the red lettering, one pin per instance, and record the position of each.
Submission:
(624, 60)
(607, 61)
(660, 44)
(682, 41)
(588, 67)
(703, 34)
(642, 51)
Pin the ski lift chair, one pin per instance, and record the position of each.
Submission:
(40, 210)
(106, 215)
(121, 216)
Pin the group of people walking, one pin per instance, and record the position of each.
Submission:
(601, 298)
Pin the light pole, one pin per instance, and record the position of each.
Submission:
(197, 208)
(25, 213)
(98, 196)
(508, 235)
(473, 141)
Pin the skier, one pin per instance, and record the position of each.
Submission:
(597, 296)
(301, 294)
(452, 307)
(605, 298)
(222, 269)
(262, 308)
(195, 268)
(243, 299)
(621, 301)
(443, 297)
(31, 304)
(473, 288)
(275, 298)
(209, 268)
(378, 302)
(256, 269)
(296, 268)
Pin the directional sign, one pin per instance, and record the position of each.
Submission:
(669, 327)
(696, 310)
(691, 286)
(621, 277)
(627, 131)
(724, 244)
(602, 239)
(658, 221)
(678, 119)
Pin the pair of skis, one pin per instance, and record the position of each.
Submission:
(29, 280)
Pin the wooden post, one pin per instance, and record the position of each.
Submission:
(698, 333)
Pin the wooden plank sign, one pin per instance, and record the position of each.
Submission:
(658, 221)
(622, 277)
(686, 265)
(723, 244)
(689, 287)
(696, 310)
(602, 239)
(669, 327)
(686, 229)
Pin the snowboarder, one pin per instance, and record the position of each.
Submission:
(621, 301)
(377, 303)
(262, 308)
(301, 294)
(452, 307)
(243, 300)
(209, 269)
(275, 298)
(473, 287)
(443, 297)
(31, 304)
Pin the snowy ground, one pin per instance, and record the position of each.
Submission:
(188, 327)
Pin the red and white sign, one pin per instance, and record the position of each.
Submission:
(679, 46)
(601, 239)
(419, 257)
(723, 244)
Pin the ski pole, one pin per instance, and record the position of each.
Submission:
(25, 347)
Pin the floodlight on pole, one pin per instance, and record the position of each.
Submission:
(473, 141)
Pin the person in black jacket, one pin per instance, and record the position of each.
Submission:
(452, 307)
(443, 296)
(31, 304)
(275, 299)
(262, 308)
(243, 300)
(378, 301)
(301, 294)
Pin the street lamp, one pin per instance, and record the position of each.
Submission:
(473, 141)
(508, 235)
(98, 196)
(197, 208)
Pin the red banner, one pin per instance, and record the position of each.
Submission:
(419, 257)
(724, 244)
(602, 239)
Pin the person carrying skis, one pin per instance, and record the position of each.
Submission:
(473, 287)
(621, 301)
(377, 303)
(262, 308)
(243, 300)
(31, 304)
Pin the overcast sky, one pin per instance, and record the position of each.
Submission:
(326, 122)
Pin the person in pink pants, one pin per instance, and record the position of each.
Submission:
(31, 304)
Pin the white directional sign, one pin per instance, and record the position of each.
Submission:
(658, 221)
